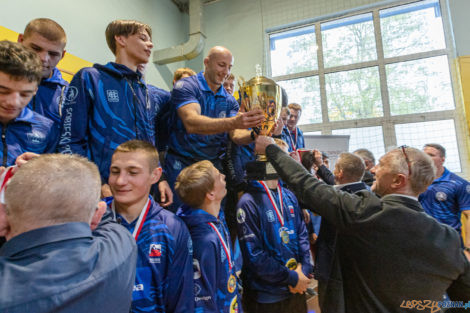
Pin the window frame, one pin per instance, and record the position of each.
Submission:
(387, 121)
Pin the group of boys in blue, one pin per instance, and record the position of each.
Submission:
(446, 198)
(164, 275)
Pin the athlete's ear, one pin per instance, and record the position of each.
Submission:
(156, 174)
(97, 215)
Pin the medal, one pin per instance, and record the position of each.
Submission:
(284, 236)
(291, 264)
(234, 305)
(224, 245)
(231, 284)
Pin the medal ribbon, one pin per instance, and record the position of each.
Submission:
(140, 221)
(279, 213)
(224, 245)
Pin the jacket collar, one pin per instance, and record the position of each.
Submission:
(45, 235)
(56, 78)
(409, 202)
(201, 80)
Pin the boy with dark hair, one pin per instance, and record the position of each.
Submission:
(164, 277)
(47, 38)
(202, 187)
(22, 129)
(107, 105)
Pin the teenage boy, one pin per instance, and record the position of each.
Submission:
(164, 277)
(202, 187)
(275, 248)
(291, 133)
(47, 38)
(107, 105)
(22, 129)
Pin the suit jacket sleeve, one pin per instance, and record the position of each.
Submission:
(339, 208)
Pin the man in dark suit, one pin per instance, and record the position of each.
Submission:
(390, 251)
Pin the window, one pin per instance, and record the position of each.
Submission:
(380, 75)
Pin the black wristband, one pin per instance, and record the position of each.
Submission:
(252, 134)
(466, 249)
(277, 136)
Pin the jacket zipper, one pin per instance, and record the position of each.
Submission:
(5, 147)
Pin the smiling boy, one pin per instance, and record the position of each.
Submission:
(164, 276)
(107, 105)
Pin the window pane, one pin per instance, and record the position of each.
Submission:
(412, 28)
(353, 94)
(306, 92)
(313, 133)
(371, 138)
(419, 86)
(349, 40)
(293, 51)
(441, 132)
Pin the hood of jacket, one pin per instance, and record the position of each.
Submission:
(119, 70)
(193, 217)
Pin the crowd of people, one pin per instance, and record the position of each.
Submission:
(119, 196)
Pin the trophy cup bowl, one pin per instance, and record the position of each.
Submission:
(262, 93)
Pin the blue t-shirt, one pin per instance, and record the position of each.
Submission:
(195, 89)
(446, 198)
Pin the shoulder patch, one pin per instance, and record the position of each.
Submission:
(241, 216)
(179, 84)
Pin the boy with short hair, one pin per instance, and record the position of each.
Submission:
(22, 129)
(202, 187)
(107, 105)
(47, 39)
(275, 248)
(164, 277)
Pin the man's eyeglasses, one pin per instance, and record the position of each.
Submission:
(403, 149)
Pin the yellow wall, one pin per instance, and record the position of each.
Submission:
(464, 71)
(69, 65)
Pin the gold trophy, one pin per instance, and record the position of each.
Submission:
(261, 93)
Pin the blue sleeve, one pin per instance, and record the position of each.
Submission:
(254, 254)
(463, 197)
(74, 137)
(206, 255)
(180, 291)
(183, 93)
(300, 139)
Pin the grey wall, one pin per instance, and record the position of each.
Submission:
(85, 22)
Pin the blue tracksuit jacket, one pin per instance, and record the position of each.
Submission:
(265, 252)
(164, 276)
(294, 142)
(215, 284)
(29, 132)
(104, 107)
(50, 97)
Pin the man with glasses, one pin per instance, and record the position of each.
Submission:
(391, 252)
(448, 197)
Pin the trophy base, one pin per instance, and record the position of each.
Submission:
(260, 170)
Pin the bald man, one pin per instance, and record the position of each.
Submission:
(205, 116)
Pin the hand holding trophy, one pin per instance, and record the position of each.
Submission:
(262, 93)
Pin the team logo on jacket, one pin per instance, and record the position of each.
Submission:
(36, 137)
(113, 95)
(155, 252)
(222, 114)
(139, 287)
(270, 216)
(441, 196)
(72, 93)
(291, 210)
(177, 165)
(179, 84)
(284, 235)
(197, 289)
(241, 216)
(231, 284)
(234, 305)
